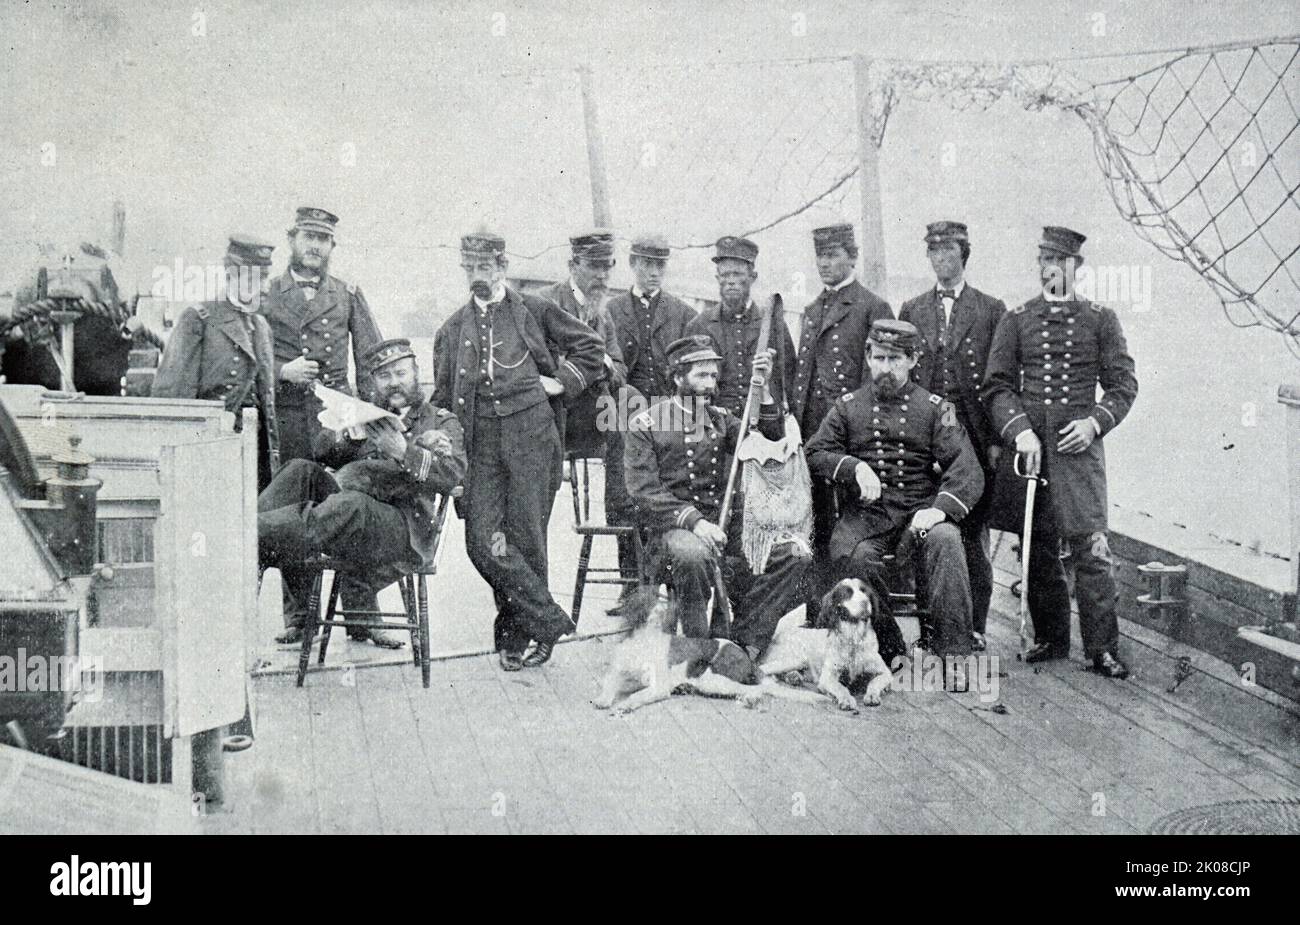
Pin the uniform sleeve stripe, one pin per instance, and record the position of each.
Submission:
(1108, 413)
(577, 372)
(426, 463)
(955, 498)
(835, 474)
(1010, 422)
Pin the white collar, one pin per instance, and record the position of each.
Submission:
(636, 292)
(498, 293)
(847, 281)
(316, 280)
(956, 290)
(1050, 297)
(577, 293)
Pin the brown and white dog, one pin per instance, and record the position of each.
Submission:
(653, 662)
(860, 643)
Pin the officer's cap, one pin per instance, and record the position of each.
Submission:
(388, 351)
(310, 218)
(482, 244)
(733, 248)
(694, 348)
(896, 335)
(596, 246)
(942, 232)
(1061, 241)
(833, 236)
(245, 250)
(654, 246)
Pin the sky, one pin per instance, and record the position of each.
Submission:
(416, 122)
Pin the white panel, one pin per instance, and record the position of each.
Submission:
(203, 565)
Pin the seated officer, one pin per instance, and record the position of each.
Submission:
(677, 457)
(377, 510)
(884, 440)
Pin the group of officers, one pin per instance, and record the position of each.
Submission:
(910, 426)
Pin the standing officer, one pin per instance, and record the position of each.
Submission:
(496, 367)
(830, 362)
(1048, 357)
(313, 315)
(220, 350)
(734, 326)
(583, 295)
(678, 457)
(957, 322)
(646, 321)
(885, 440)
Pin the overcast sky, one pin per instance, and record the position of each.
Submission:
(416, 121)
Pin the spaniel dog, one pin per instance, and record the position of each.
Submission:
(859, 645)
(652, 663)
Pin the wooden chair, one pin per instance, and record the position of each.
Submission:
(580, 486)
(415, 600)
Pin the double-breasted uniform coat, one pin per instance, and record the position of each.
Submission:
(1046, 363)
(902, 437)
(337, 318)
(830, 361)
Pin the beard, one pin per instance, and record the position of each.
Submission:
(885, 385)
(297, 265)
(481, 289)
(398, 398)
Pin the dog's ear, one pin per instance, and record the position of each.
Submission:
(832, 612)
(878, 597)
(639, 606)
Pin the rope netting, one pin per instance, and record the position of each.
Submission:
(1199, 149)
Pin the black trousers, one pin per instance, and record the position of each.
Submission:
(1094, 584)
(303, 513)
(941, 562)
(979, 563)
(509, 492)
(685, 563)
(820, 575)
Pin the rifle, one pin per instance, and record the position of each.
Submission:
(753, 402)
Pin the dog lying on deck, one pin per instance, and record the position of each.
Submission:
(653, 662)
(860, 644)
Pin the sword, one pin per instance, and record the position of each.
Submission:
(1031, 489)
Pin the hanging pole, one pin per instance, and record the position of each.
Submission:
(873, 234)
(600, 210)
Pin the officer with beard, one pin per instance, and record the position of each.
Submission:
(583, 295)
(882, 443)
(508, 363)
(677, 457)
(313, 316)
(377, 510)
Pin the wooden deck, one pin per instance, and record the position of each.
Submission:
(482, 751)
(367, 749)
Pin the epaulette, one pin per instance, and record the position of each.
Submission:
(847, 396)
(1097, 306)
(350, 287)
(1020, 309)
(719, 410)
(935, 400)
(202, 311)
(641, 420)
